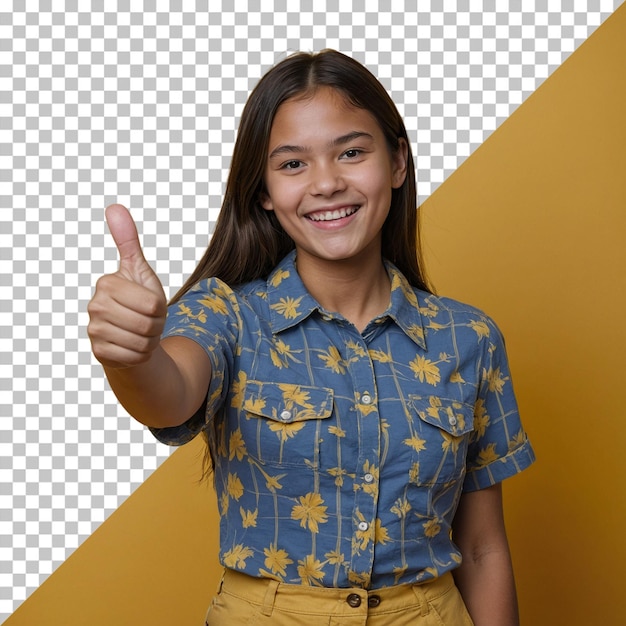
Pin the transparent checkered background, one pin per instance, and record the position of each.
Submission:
(142, 108)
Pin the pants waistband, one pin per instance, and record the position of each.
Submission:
(270, 594)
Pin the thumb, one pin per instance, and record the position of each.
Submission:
(124, 232)
(133, 264)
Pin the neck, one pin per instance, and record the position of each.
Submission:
(357, 289)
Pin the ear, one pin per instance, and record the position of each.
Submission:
(398, 163)
(265, 201)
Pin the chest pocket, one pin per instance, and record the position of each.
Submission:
(440, 443)
(283, 422)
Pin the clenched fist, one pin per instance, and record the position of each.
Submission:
(128, 309)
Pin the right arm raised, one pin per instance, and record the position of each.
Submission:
(160, 383)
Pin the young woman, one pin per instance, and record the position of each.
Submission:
(358, 426)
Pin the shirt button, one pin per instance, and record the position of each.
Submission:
(363, 525)
(354, 600)
(452, 420)
(369, 478)
(373, 601)
(285, 415)
(366, 398)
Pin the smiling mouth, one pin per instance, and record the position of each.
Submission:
(337, 214)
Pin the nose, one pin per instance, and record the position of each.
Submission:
(326, 179)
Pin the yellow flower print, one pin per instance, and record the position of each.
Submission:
(401, 507)
(254, 405)
(481, 419)
(286, 431)
(356, 349)
(416, 331)
(333, 360)
(338, 473)
(380, 356)
(431, 528)
(480, 328)
(455, 377)
(237, 556)
(310, 511)
(414, 473)
(215, 304)
(236, 445)
(278, 277)
(310, 570)
(416, 443)
(287, 307)
(295, 394)
(224, 502)
(282, 353)
(380, 533)
(435, 326)
(237, 389)
(455, 557)
(248, 518)
(276, 360)
(337, 431)
(409, 294)
(271, 482)
(430, 310)
(199, 330)
(435, 405)
(335, 558)
(360, 579)
(276, 560)
(425, 369)
(234, 486)
(517, 441)
(495, 379)
(183, 309)
(450, 442)
(488, 455)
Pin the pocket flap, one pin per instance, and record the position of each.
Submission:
(287, 403)
(456, 418)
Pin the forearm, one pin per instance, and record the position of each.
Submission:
(165, 390)
(487, 585)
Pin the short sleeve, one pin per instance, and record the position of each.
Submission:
(208, 315)
(499, 447)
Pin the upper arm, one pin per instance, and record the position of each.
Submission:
(478, 526)
(194, 366)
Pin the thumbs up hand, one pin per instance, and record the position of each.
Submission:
(128, 309)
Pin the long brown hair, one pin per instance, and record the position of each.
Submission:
(248, 241)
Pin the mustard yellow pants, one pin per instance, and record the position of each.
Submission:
(246, 601)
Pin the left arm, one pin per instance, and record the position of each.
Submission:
(485, 577)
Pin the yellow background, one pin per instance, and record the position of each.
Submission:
(531, 228)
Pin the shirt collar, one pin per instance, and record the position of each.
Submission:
(290, 303)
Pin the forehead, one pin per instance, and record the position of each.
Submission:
(324, 113)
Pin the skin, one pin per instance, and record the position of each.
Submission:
(485, 577)
(328, 178)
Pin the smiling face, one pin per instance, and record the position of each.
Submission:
(329, 177)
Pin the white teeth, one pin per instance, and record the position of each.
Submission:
(333, 215)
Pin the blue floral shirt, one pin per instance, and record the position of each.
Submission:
(340, 456)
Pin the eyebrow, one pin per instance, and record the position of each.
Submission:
(338, 141)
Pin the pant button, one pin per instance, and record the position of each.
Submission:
(373, 601)
(354, 600)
